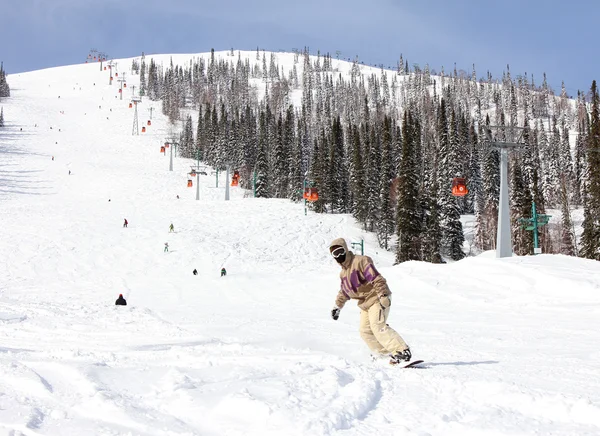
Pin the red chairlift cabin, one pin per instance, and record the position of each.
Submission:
(313, 194)
(306, 194)
(130, 105)
(190, 183)
(120, 91)
(162, 149)
(459, 187)
(104, 68)
(124, 85)
(149, 123)
(235, 180)
(193, 173)
(116, 74)
(166, 145)
(143, 129)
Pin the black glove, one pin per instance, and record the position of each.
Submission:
(335, 313)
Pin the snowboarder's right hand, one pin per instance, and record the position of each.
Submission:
(335, 313)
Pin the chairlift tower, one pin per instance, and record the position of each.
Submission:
(505, 138)
(101, 57)
(110, 71)
(150, 109)
(121, 81)
(172, 143)
(135, 101)
(133, 92)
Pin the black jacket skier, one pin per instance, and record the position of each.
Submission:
(121, 301)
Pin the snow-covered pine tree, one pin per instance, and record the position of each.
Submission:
(337, 174)
(373, 169)
(262, 161)
(187, 144)
(485, 237)
(590, 238)
(408, 213)
(318, 171)
(4, 88)
(567, 237)
(520, 207)
(295, 173)
(143, 84)
(357, 178)
(386, 223)
(449, 158)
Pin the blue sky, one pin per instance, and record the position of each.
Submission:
(532, 36)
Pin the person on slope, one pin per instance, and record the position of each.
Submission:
(171, 228)
(361, 281)
(121, 301)
(124, 222)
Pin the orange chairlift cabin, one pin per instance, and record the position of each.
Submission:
(130, 105)
(143, 129)
(190, 183)
(162, 148)
(311, 194)
(459, 187)
(149, 123)
(235, 180)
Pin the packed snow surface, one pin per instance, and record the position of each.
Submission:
(511, 345)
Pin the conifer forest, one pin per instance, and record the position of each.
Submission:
(385, 145)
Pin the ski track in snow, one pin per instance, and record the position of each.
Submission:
(510, 345)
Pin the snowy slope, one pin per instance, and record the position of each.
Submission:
(511, 345)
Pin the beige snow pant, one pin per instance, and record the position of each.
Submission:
(380, 337)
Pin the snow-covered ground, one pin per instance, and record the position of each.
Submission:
(511, 345)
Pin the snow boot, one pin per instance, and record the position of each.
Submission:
(400, 357)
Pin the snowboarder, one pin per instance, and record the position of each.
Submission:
(195, 272)
(166, 247)
(171, 228)
(121, 301)
(223, 272)
(361, 281)
(124, 222)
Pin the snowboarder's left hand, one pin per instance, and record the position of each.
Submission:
(385, 301)
(335, 313)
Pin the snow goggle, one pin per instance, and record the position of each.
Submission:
(338, 252)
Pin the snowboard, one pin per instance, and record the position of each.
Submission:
(407, 365)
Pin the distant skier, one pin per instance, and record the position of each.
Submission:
(121, 301)
(171, 228)
(195, 272)
(124, 222)
(361, 281)
(69, 172)
(223, 272)
(166, 250)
